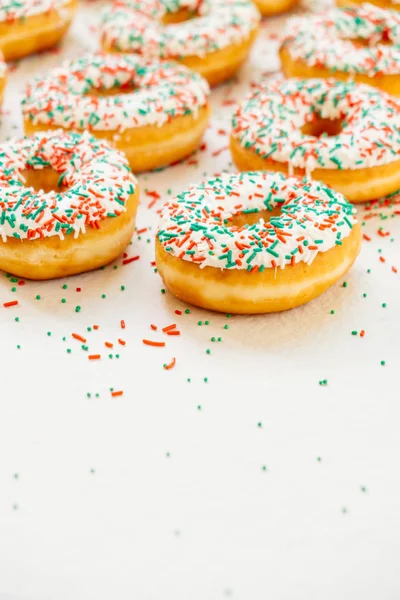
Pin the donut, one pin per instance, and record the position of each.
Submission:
(212, 37)
(3, 77)
(344, 134)
(255, 242)
(155, 112)
(68, 204)
(28, 26)
(394, 4)
(359, 42)
(269, 8)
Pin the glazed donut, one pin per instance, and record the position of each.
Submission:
(155, 112)
(343, 134)
(269, 8)
(394, 4)
(255, 242)
(28, 26)
(212, 37)
(359, 42)
(68, 204)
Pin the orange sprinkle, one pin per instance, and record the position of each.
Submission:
(139, 231)
(382, 259)
(115, 394)
(78, 337)
(169, 328)
(173, 332)
(155, 344)
(170, 365)
(109, 344)
(154, 327)
(366, 237)
(362, 333)
(122, 342)
(12, 303)
(394, 269)
(95, 327)
(94, 356)
(123, 324)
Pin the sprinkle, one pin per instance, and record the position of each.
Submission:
(127, 261)
(169, 328)
(94, 356)
(11, 303)
(170, 365)
(79, 338)
(155, 344)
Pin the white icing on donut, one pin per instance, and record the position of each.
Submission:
(197, 226)
(326, 40)
(135, 26)
(162, 91)
(96, 180)
(269, 122)
(13, 10)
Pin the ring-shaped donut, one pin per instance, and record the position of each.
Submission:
(67, 204)
(255, 242)
(343, 134)
(212, 37)
(29, 26)
(154, 111)
(269, 8)
(360, 43)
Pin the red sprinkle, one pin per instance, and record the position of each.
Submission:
(78, 337)
(12, 303)
(170, 365)
(129, 260)
(155, 344)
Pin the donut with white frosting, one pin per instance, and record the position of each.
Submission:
(357, 42)
(154, 111)
(28, 26)
(67, 204)
(344, 134)
(255, 242)
(213, 37)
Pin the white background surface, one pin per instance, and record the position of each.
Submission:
(148, 497)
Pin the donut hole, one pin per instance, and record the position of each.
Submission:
(42, 180)
(180, 16)
(242, 219)
(321, 127)
(377, 40)
(102, 92)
